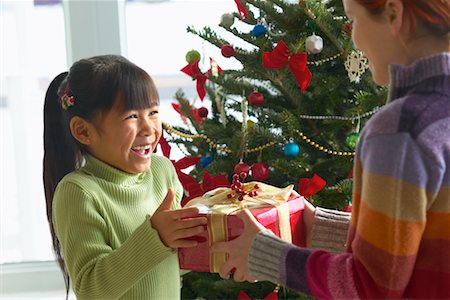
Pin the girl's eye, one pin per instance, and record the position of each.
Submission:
(134, 116)
(154, 112)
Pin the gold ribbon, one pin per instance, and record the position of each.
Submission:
(217, 206)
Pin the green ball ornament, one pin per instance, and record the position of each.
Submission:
(192, 56)
(352, 140)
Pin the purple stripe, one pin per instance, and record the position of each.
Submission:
(295, 262)
(419, 112)
(385, 121)
(399, 156)
(427, 67)
(436, 139)
(426, 75)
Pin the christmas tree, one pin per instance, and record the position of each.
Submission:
(291, 114)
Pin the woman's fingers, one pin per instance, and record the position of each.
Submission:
(220, 247)
(226, 269)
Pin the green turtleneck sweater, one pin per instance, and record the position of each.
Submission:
(102, 219)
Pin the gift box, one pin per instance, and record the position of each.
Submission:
(278, 209)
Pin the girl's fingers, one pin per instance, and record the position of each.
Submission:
(192, 222)
(183, 243)
(167, 202)
(187, 232)
(184, 212)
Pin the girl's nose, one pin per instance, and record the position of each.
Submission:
(148, 127)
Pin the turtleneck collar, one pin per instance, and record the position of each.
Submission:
(435, 68)
(106, 172)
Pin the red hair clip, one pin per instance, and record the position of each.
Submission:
(66, 100)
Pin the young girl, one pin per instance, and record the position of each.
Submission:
(398, 243)
(108, 197)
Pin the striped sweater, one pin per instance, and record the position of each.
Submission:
(102, 220)
(398, 243)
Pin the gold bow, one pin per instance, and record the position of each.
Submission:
(217, 206)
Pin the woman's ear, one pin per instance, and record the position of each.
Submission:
(394, 10)
(81, 130)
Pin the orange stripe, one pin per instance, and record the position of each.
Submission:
(438, 226)
(356, 200)
(400, 238)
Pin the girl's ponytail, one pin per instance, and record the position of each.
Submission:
(61, 154)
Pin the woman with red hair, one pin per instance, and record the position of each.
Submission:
(398, 238)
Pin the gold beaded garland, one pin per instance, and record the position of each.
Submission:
(172, 130)
(321, 61)
(322, 148)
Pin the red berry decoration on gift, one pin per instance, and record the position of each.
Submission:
(238, 187)
(260, 171)
(203, 112)
(255, 98)
(347, 208)
(227, 50)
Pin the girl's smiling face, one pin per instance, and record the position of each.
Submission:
(126, 139)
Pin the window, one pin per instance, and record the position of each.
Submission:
(33, 52)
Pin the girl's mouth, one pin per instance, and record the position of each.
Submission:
(142, 151)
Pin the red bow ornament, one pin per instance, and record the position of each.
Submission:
(194, 111)
(281, 57)
(193, 70)
(241, 9)
(308, 187)
(185, 179)
(208, 183)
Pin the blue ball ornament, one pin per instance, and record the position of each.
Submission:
(259, 30)
(206, 160)
(291, 150)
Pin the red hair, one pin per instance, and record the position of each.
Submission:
(434, 14)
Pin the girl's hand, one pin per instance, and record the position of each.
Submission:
(238, 249)
(176, 226)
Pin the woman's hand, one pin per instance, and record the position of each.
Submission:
(238, 249)
(308, 221)
(175, 227)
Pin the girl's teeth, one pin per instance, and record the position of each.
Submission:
(141, 150)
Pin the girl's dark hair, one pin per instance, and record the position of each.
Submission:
(95, 84)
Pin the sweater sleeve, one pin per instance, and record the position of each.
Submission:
(97, 271)
(394, 184)
(330, 230)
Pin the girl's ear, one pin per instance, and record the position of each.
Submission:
(81, 130)
(394, 12)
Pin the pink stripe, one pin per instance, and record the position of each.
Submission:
(316, 267)
(434, 255)
(391, 272)
(428, 285)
